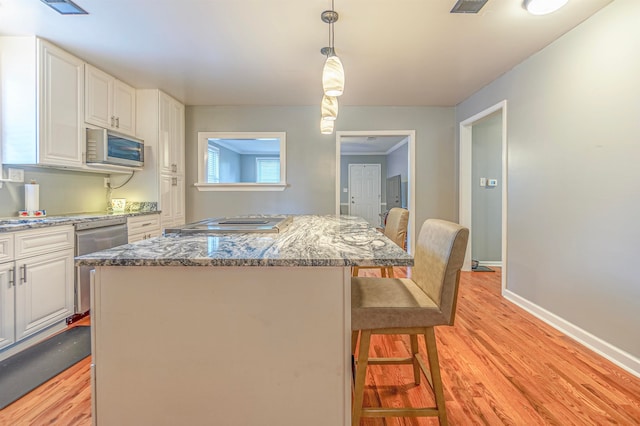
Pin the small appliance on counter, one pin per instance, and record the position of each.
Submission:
(32, 201)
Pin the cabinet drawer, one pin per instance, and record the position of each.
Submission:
(43, 240)
(6, 247)
(143, 224)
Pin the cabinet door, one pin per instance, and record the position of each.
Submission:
(98, 89)
(44, 291)
(7, 290)
(177, 199)
(166, 214)
(124, 107)
(177, 130)
(61, 80)
(165, 134)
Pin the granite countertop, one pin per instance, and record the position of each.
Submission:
(9, 224)
(310, 240)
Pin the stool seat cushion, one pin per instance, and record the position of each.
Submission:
(391, 303)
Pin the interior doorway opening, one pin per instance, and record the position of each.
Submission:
(470, 183)
(394, 152)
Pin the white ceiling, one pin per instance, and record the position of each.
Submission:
(259, 52)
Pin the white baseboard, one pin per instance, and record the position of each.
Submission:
(496, 263)
(619, 357)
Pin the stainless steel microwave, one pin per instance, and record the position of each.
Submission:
(107, 147)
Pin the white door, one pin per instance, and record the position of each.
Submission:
(364, 192)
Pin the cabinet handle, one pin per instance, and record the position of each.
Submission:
(174, 181)
(12, 277)
(146, 224)
(174, 168)
(118, 122)
(112, 121)
(24, 273)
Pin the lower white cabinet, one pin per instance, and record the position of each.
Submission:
(142, 227)
(172, 200)
(37, 281)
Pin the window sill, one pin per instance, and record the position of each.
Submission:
(240, 186)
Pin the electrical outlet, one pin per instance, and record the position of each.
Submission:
(107, 181)
(16, 175)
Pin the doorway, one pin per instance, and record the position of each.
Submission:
(470, 183)
(364, 192)
(394, 150)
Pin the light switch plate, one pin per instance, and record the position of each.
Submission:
(483, 181)
(493, 182)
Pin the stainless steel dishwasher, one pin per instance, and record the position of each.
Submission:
(91, 237)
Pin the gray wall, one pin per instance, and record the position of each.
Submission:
(61, 192)
(249, 172)
(486, 220)
(573, 176)
(311, 157)
(397, 165)
(229, 163)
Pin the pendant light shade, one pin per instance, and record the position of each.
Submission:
(543, 7)
(326, 126)
(333, 76)
(329, 107)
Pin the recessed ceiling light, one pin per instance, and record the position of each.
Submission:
(543, 7)
(65, 7)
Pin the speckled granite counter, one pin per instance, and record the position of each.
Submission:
(9, 224)
(309, 241)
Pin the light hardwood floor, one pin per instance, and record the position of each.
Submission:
(500, 366)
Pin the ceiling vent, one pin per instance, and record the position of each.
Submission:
(468, 6)
(65, 7)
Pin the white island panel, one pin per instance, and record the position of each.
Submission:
(221, 345)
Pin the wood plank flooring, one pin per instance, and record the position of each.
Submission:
(500, 366)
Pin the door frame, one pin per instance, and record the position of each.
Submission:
(411, 173)
(465, 184)
(376, 166)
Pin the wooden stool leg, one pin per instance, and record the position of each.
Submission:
(361, 374)
(354, 271)
(414, 355)
(390, 271)
(434, 367)
(354, 341)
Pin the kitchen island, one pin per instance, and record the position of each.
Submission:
(230, 329)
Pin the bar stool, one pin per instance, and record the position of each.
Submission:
(409, 306)
(396, 230)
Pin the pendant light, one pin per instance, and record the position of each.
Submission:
(333, 72)
(326, 126)
(329, 107)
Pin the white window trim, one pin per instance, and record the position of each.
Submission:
(203, 141)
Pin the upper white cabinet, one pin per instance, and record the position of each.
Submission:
(42, 89)
(108, 102)
(171, 142)
(160, 122)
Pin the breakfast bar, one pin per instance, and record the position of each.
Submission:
(232, 329)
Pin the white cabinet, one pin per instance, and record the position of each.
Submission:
(38, 283)
(171, 140)
(142, 227)
(42, 89)
(160, 122)
(109, 103)
(7, 276)
(172, 200)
